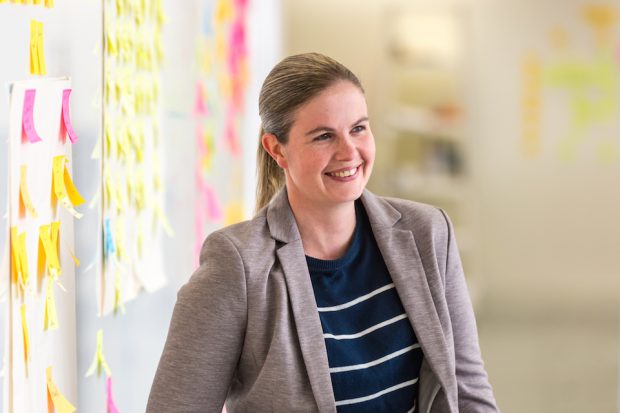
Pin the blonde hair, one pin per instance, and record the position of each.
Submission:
(290, 84)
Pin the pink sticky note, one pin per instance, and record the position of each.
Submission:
(200, 107)
(28, 117)
(237, 46)
(230, 132)
(214, 211)
(66, 118)
(111, 405)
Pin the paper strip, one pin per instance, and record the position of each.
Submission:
(19, 260)
(63, 188)
(50, 320)
(46, 237)
(109, 247)
(24, 193)
(26, 337)
(110, 400)
(99, 362)
(61, 404)
(66, 115)
(28, 117)
(118, 302)
(34, 55)
(41, 49)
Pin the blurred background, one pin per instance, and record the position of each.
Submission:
(504, 113)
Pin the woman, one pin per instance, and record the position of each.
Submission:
(330, 298)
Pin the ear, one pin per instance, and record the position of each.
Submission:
(275, 149)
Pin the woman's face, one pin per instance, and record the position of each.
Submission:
(330, 152)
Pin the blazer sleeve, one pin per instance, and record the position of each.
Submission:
(206, 334)
(474, 390)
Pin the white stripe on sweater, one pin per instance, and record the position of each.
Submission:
(378, 394)
(357, 300)
(367, 331)
(374, 362)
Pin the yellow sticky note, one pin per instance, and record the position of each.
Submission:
(60, 403)
(34, 55)
(40, 49)
(26, 336)
(49, 3)
(24, 193)
(50, 320)
(99, 362)
(19, 259)
(118, 302)
(46, 238)
(23, 261)
(63, 188)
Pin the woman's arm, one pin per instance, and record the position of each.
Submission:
(206, 334)
(474, 391)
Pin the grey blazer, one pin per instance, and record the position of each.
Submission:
(246, 330)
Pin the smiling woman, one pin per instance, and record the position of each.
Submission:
(331, 298)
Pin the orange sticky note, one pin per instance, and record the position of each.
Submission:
(66, 118)
(28, 116)
(58, 400)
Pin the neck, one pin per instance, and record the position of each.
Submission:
(326, 233)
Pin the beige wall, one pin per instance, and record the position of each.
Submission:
(546, 230)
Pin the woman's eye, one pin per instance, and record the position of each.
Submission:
(358, 129)
(323, 137)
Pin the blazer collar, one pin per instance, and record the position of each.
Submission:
(283, 227)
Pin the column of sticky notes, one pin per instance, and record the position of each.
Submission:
(42, 206)
(218, 110)
(133, 210)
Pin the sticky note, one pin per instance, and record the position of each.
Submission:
(24, 193)
(19, 259)
(37, 56)
(28, 116)
(233, 213)
(214, 211)
(25, 335)
(49, 3)
(110, 400)
(47, 239)
(63, 188)
(200, 106)
(60, 403)
(99, 362)
(50, 319)
(118, 302)
(163, 219)
(66, 117)
(34, 55)
(109, 246)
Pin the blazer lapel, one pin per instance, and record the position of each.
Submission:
(309, 331)
(402, 258)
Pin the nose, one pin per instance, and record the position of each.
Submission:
(346, 148)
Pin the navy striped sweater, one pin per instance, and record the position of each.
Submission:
(373, 353)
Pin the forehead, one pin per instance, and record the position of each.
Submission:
(341, 101)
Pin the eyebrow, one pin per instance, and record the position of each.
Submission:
(328, 129)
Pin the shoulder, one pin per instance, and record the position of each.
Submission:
(245, 241)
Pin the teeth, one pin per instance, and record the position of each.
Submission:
(344, 174)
